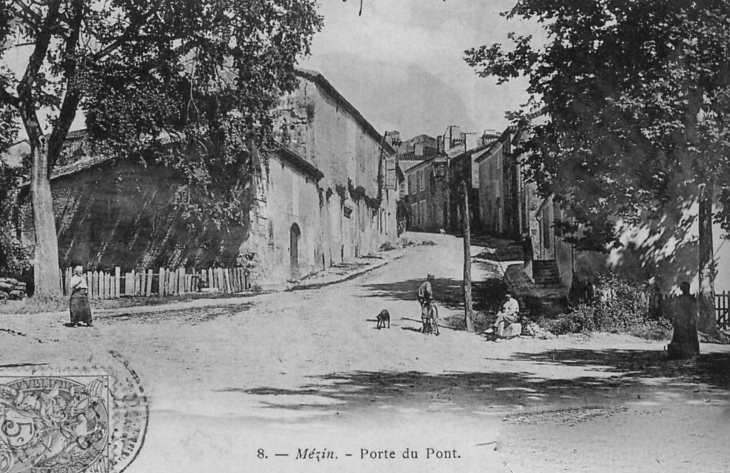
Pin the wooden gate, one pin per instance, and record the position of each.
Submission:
(722, 309)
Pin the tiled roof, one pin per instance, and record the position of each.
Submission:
(439, 158)
(414, 157)
(300, 163)
(406, 164)
(82, 164)
(89, 162)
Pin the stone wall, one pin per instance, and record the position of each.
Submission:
(122, 213)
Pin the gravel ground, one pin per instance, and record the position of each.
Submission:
(303, 381)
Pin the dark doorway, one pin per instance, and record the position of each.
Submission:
(294, 236)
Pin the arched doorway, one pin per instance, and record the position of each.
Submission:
(294, 235)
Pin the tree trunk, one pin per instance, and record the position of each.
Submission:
(706, 322)
(467, 262)
(684, 320)
(47, 276)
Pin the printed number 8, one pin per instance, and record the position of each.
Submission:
(261, 453)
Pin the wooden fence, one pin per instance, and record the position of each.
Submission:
(722, 307)
(161, 282)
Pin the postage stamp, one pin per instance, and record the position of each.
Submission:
(73, 420)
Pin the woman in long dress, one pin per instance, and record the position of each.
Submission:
(80, 309)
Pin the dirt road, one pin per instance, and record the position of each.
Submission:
(302, 381)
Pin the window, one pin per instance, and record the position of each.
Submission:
(390, 176)
(421, 181)
(546, 228)
(414, 215)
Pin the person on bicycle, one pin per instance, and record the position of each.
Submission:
(425, 298)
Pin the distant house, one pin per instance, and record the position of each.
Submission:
(510, 207)
(454, 141)
(650, 251)
(328, 195)
(409, 182)
(501, 186)
(425, 186)
(421, 145)
(428, 194)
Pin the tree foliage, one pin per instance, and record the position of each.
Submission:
(635, 99)
(190, 83)
(14, 259)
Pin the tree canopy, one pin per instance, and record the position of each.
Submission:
(191, 83)
(635, 96)
(635, 101)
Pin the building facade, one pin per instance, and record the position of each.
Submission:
(355, 210)
(502, 198)
(326, 195)
(428, 194)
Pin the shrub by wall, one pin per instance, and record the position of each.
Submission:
(615, 305)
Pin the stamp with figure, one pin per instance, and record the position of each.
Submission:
(71, 420)
(54, 424)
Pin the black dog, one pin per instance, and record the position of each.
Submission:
(383, 317)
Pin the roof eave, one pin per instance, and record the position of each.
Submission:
(321, 81)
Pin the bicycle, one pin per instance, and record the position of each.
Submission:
(431, 322)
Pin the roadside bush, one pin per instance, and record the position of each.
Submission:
(387, 246)
(579, 320)
(616, 305)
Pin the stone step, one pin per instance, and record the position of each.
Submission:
(545, 272)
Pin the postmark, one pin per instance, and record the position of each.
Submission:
(66, 420)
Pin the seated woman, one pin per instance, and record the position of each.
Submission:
(508, 315)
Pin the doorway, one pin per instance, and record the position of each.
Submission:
(294, 235)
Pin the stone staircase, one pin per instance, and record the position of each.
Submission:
(545, 273)
(537, 298)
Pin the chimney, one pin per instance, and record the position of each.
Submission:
(488, 136)
(392, 138)
(418, 149)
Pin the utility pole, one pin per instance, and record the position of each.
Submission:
(467, 261)
(447, 178)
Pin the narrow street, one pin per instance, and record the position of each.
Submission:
(303, 381)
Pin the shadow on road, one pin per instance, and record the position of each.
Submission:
(709, 368)
(448, 292)
(636, 377)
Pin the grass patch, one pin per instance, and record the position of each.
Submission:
(38, 305)
(35, 305)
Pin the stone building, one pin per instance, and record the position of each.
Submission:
(428, 194)
(325, 197)
(338, 206)
(418, 146)
(662, 253)
(501, 187)
(425, 186)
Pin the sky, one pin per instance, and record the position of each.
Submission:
(401, 63)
